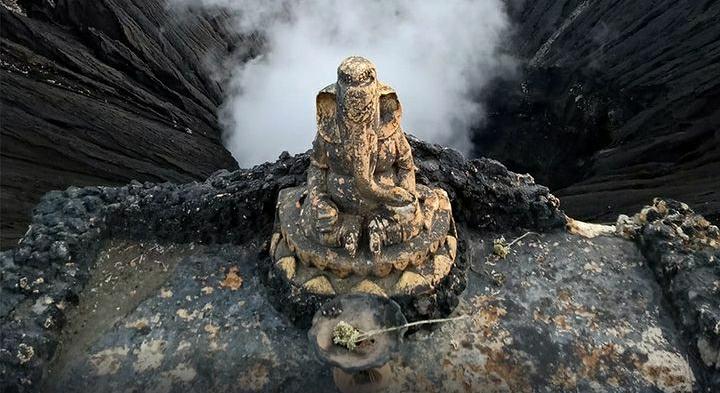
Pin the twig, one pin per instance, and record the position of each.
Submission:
(522, 237)
(365, 335)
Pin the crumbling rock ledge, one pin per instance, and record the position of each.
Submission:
(683, 250)
(546, 317)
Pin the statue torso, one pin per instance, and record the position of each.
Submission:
(340, 180)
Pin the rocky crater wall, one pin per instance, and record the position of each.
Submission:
(603, 112)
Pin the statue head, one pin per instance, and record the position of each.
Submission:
(357, 101)
(358, 90)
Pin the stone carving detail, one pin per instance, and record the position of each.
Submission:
(362, 213)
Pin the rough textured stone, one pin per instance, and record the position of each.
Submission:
(319, 285)
(683, 249)
(553, 325)
(411, 283)
(412, 252)
(227, 208)
(362, 217)
(287, 266)
(546, 317)
(367, 286)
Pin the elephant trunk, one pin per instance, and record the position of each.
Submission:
(358, 120)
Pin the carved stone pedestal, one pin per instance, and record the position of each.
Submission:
(362, 224)
(410, 268)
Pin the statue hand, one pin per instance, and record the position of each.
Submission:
(326, 215)
(400, 197)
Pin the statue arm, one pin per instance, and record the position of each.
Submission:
(401, 194)
(317, 171)
(405, 164)
(323, 210)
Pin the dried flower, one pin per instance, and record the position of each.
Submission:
(346, 335)
(500, 247)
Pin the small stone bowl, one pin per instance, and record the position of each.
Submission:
(364, 368)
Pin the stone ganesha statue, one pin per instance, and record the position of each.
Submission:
(361, 172)
(361, 213)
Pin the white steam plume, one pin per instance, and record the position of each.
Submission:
(434, 53)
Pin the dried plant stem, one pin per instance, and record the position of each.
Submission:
(366, 335)
(522, 237)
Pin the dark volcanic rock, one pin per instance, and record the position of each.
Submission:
(617, 103)
(552, 326)
(46, 273)
(159, 287)
(683, 249)
(103, 92)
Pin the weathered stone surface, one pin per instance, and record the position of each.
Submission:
(319, 285)
(229, 207)
(451, 246)
(560, 312)
(361, 217)
(429, 290)
(411, 283)
(413, 252)
(483, 193)
(361, 191)
(287, 266)
(441, 266)
(683, 249)
(553, 326)
(367, 286)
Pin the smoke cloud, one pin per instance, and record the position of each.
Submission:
(436, 54)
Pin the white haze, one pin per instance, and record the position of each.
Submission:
(434, 53)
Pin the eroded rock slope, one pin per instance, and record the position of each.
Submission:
(617, 103)
(104, 92)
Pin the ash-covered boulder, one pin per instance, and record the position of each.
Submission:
(160, 287)
(55, 259)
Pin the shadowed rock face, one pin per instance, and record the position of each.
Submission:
(616, 104)
(161, 287)
(103, 92)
